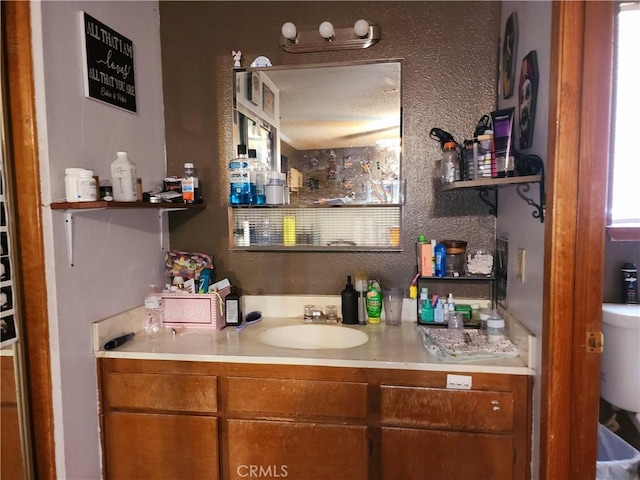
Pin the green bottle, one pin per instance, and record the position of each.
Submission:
(374, 302)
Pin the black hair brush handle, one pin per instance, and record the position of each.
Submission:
(442, 136)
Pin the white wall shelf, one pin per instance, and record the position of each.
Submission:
(72, 208)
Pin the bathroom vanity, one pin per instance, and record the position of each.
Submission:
(221, 404)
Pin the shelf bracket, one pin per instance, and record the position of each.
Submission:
(539, 207)
(68, 226)
(68, 229)
(161, 212)
(485, 196)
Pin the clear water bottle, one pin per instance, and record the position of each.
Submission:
(154, 310)
(450, 164)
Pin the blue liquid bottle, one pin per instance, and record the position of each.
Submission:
(257, 179)
(239, 178)
(441, 255)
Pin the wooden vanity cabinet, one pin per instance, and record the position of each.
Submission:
(159, 420)
(184, 420)
(433, 433)
(308, 426)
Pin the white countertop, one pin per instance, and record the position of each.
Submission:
(391, 347)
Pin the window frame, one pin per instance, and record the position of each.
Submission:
(620, 231)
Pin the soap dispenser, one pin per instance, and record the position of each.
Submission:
(349, 304)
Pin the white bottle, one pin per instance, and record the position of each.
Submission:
(70, 184)
(80, 186)
(87, 187)
(154, 310)
(124, 178)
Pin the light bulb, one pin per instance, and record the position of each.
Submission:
(289, 31)
(361, 27)
(326, 30)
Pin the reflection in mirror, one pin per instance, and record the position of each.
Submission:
(335, 129)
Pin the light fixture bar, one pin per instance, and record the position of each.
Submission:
(343, 39)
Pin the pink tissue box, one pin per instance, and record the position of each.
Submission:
(202, 310)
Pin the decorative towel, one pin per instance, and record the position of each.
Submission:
(450, 345)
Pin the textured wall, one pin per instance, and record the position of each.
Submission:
(449, 80)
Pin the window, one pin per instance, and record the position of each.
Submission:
(624, 199)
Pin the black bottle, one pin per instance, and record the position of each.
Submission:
(629, 283)
(233, 313)
(349, 304)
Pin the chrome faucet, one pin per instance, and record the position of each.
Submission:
(316, 316)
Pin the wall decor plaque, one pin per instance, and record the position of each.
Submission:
(107, 64)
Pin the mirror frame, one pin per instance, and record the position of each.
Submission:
(249, 107)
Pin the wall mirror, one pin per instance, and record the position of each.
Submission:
(335, 129)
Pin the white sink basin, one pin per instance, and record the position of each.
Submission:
(313, 337)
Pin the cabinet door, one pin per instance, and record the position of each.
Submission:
(172, 447)
(10, 445)
(272, 449)
(431, 454)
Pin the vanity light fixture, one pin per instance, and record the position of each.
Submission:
(327, 37)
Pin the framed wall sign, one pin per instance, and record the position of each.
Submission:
(107, 64)
(509, 52)
(527, 98)
(253, 88)
(268, 100)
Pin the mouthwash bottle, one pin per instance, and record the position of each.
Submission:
(257, 179)
(239, 178)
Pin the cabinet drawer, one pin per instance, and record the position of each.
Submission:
(446, 409)
(313, 398)
(272, 449)
(157, 391)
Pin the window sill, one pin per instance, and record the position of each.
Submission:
(628, 233)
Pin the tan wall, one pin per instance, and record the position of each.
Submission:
(450, 52)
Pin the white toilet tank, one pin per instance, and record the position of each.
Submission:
(620, 370)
